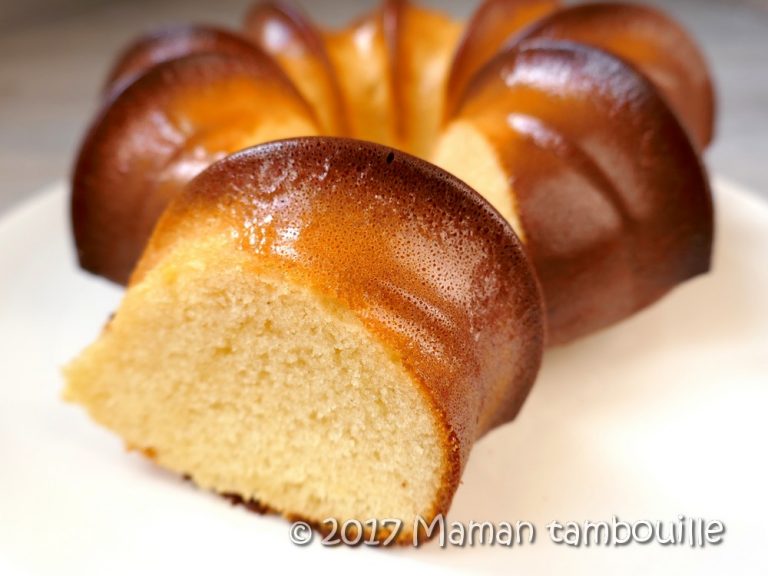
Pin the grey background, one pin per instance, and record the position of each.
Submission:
(54, 55)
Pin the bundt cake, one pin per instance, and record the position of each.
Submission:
(325, 323)
(323, 326)
(581, 125)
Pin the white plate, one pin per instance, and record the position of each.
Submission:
(665, 414)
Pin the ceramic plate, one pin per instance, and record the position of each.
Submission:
(661, 416)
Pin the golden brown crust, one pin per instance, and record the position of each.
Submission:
(168, 44)
(420, 46)
(360, 57)
(393, 15)
(422, 260)
(651, 41)
(613, 200)
(157, 134)
(282, 30)
(493, 23)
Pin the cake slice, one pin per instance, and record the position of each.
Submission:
(321, 326)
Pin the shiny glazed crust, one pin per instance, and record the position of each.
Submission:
(492, 25)
(161, 131)
(284, 32)
(420, 258)
(613, 201)
(652, 42)
(169, 44)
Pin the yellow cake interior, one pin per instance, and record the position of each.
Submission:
(255, 385)
(469, 155)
